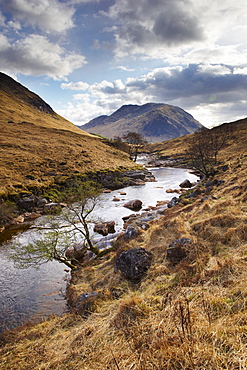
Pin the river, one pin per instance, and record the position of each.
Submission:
(34, 294)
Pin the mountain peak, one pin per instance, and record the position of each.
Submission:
(156, 122)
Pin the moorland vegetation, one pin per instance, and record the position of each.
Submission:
(188, 314)
(41, 150)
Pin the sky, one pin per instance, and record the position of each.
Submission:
(87, 58)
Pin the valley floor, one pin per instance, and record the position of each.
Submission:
(186, 315)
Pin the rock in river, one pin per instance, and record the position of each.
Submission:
(134, 205)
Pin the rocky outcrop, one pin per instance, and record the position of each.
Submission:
(134, 264)
(79, 253)
(31, 204)
(131, 232)
(28, 203)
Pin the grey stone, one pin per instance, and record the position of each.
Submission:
(172, 202)
(134, 264)
(131, 232)
(178, 250)
(86, 303)
(185, 184)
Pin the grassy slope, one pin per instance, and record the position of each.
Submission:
(177, 147)
(191, 316)
(35, 143)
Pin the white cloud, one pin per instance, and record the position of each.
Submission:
(4, 43)
(195, 88)
(47, 15)
(80, 85)
(36, 55)
(189, 84)
(126, 69)
(228, 55)
(167, 29)
(218, 113)
(107, 87)
(14, 25)
(147, 27)
(242, 71)
(217, 70)
(83, 111)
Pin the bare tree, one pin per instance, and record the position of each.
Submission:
(120, 144)
(218, 137)
(50, 246)
(205, 147)
(57, 236)
(135, 141)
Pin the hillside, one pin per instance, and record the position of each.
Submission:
(176, 148)
(189, 314)
(37, 143)
(155, 122)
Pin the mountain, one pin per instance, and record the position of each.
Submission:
(155, 122)
(37, 144)
(18, 104)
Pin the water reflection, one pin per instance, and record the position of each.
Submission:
(30, 294)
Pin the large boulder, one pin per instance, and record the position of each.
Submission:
(178, 250)
(105, 228)
(134, 205)
(134, 263)
(41, 202)
(29, 203)
(143, 175)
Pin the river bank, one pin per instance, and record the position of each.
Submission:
(187, 314)
(21, 208)
(149, 192)
(141, 324)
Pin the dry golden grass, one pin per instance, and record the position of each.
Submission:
(35, 143)
(27, 149)
(189, 316)
(176, 148)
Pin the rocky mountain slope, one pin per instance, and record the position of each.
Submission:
(38, 146)
(155, 122)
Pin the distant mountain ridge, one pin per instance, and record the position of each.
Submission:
(156, 122)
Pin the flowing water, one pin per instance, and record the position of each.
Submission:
(34, 294)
